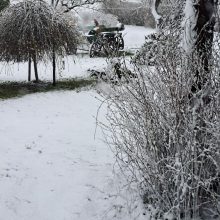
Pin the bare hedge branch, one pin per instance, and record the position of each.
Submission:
(165, 134)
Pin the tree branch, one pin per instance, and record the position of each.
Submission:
(72, 4)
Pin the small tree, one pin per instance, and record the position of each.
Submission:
(32, 30)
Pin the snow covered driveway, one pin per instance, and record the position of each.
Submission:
(52, 168)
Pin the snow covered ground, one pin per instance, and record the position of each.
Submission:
(52, 166)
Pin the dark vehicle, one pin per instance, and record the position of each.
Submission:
(105, 41)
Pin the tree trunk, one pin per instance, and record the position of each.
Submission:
(205, 31)
(29, 69)
(35, 67)
(54, 68)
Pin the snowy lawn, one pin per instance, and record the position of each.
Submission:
(52, 167)
(73, 66)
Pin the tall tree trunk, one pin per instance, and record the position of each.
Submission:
(29, 69)
(35, 67)
(205, 31)
(54, 68)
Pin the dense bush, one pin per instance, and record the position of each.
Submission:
(168, 136)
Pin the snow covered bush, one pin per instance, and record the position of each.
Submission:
(168, 134)
(146, 55)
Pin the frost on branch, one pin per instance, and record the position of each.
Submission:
(72, 4)
(165, 134)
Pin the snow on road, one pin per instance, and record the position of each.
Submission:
(52, 168)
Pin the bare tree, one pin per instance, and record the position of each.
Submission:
(73, 4)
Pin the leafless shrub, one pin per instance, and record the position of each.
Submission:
(167, 136)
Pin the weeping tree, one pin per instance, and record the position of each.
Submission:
(32, 31)
(165, 123)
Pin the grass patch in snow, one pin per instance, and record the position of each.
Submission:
(121, 53)
(18, 89)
